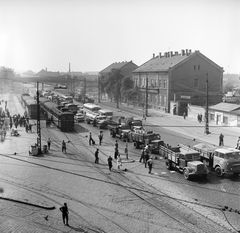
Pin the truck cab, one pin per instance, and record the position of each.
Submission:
(226, 161)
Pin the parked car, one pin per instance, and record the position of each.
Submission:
(79, 117)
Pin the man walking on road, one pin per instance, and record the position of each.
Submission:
(100, 136)
(49, 143)
(96, 156)
(221, 139)
(64, 210)
(110, 163)
(142, 155)
(64, 148)
(150, 164)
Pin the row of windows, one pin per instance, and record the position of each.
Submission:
(196, 67)
(153, 83)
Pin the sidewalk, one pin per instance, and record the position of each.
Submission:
(190, 127)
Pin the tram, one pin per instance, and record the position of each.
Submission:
(63, 120)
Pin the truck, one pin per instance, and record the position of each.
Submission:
(123, 127)
(185, 160)
(220, 159)
(141, 137)
(90, 117)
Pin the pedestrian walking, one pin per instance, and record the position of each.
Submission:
(150, 164)
(49, 143)
(184, 115)
(126, 151)
(146, 158)
(116, 153)
(110, 162)
(100, 136)
(142, 155)
(90, 139)
(64, 210)
(96, 156)
(221, 139)
(116, 144)
(119, 161)
(64, 148)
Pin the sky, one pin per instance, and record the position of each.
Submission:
(92, 34)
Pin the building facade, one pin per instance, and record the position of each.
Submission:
(174, 80)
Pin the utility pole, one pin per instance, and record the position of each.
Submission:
(118, 91)
(99, 88)
(84, 89)
(206, 113)
(38, 124)
(146, 103)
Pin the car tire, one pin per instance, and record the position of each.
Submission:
(186, 174)
(218, 171)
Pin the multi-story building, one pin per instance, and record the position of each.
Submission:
(174, 80)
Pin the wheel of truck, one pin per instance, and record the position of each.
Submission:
(169, 164)
(218, 171)
(186, 174)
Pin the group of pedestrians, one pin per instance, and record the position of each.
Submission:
(146, 158)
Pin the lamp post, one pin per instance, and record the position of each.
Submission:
(206, 113)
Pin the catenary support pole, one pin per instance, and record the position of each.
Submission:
(38, 123)
(206, 113)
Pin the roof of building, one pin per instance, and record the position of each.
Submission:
(47, 73)
(115, 65)
(163, 63)
(160, 64)
(225, 107)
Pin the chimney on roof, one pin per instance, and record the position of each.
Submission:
(186, 51)
(176, 53)
(171, 53)
(160, 55)
(153, 55)
(190, 51)
(165, 54)
(183, 52)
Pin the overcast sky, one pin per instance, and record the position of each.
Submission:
(92, 34)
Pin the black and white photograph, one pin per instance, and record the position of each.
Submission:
(120, 116)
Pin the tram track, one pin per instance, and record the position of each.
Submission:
(148, 199)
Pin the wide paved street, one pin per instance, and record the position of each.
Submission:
(126, 200)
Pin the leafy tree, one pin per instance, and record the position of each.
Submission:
(128, 91)
(111, 84)
(6, 72)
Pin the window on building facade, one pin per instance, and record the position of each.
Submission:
(225, 120)
(155, 83)
(196, 82)
(160, 100)
(159, 83)
(165, 100)
(212, 117)
(152, 82)
(194, 67)
(165, 84)
(199, 67)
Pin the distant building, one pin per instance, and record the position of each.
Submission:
(178, 79)
(225, 114)
(125, 67)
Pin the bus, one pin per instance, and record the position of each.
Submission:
(91, 108)
(67, 98)
(105, 112)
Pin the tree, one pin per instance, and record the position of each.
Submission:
(6, 73)
(111, 84)
(127, 89)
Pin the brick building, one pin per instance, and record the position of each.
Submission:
(173, 80)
